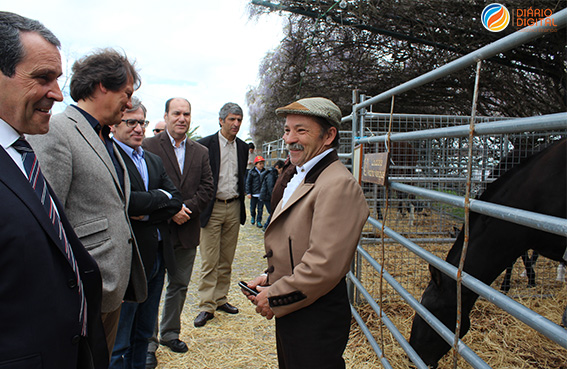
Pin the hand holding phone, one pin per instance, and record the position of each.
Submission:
(244, 286)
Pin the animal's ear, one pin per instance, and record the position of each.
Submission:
(435, 275)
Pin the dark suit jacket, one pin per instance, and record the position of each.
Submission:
(39, 300)
(212, 143)
(156, 205)
(195, 184)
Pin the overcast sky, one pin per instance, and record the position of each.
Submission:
(206, 51)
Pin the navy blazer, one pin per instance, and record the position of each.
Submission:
(39, 298)
(157, 205)
(212, 143)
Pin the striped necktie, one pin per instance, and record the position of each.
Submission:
(37, 181)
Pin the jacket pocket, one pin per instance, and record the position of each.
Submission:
(291, 255)
(28, 362)
(93, 233)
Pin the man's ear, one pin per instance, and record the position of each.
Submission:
(102, 88)
(331, 134)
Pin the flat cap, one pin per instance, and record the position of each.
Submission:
(314, 106)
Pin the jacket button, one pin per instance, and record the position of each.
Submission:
(269, 254)
(270, 269)
(71, 283)
(130, 240)
(75, 340)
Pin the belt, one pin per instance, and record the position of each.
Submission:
(227, 201)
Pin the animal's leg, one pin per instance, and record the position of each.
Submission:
(529, 263)
(505, 286)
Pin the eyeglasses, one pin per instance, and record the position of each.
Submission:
(157, 130)
(132, 123)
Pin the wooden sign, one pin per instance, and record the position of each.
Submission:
(375, 168)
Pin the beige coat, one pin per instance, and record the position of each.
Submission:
(77, 165)
(310, 243)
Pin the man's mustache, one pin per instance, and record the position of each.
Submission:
(295, 147)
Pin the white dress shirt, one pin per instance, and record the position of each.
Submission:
(299, 176)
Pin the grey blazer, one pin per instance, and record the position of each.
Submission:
(76, 163)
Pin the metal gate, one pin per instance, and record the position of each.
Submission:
(433, 158)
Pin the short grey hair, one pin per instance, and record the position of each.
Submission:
(137, 104)
(11, 48)
(230, 108)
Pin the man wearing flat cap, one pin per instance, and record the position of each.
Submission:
(310, 242)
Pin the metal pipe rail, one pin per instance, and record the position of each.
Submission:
(371, 340)
(530, 318)
(414, 357)
(506, 43)
(469, 355)
(540, 123)
(526, 218)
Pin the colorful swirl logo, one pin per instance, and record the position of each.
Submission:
(495, 17)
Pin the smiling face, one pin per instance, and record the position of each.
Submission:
(27, 97)
(305, 138)
(131, 136)
(230, 126)
(178, 118)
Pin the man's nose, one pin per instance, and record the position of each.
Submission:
(55, 92)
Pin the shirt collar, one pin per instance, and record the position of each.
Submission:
(311, 163)
(92, 120)
(223, 141)
(8, 135)
(172, 140)
(129, 150)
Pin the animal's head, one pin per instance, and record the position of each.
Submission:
(440, 299)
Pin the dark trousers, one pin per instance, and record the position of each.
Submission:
(137, 322)
(315, 337)
(256, 204)
(269, 210)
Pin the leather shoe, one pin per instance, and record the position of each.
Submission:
(228, 308)
(176, 345)
(202, 318)
(151, 360)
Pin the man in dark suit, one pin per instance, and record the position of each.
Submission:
(223, 216)
(153, 201)
(187, 164)
(50, 287)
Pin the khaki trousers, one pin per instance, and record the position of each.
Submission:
(110, 325)
(218, 245)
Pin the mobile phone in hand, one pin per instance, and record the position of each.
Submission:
(243, 285)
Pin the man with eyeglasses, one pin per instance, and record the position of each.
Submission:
(187, 164)
(153, 201)
(84, 168)
(159, 127)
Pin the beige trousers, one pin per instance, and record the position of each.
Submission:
(218, 245)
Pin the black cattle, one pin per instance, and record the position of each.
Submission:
(538, 184)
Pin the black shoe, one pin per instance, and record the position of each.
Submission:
(202, 318)
(151, 360)
(176, 345)
(228, 308)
